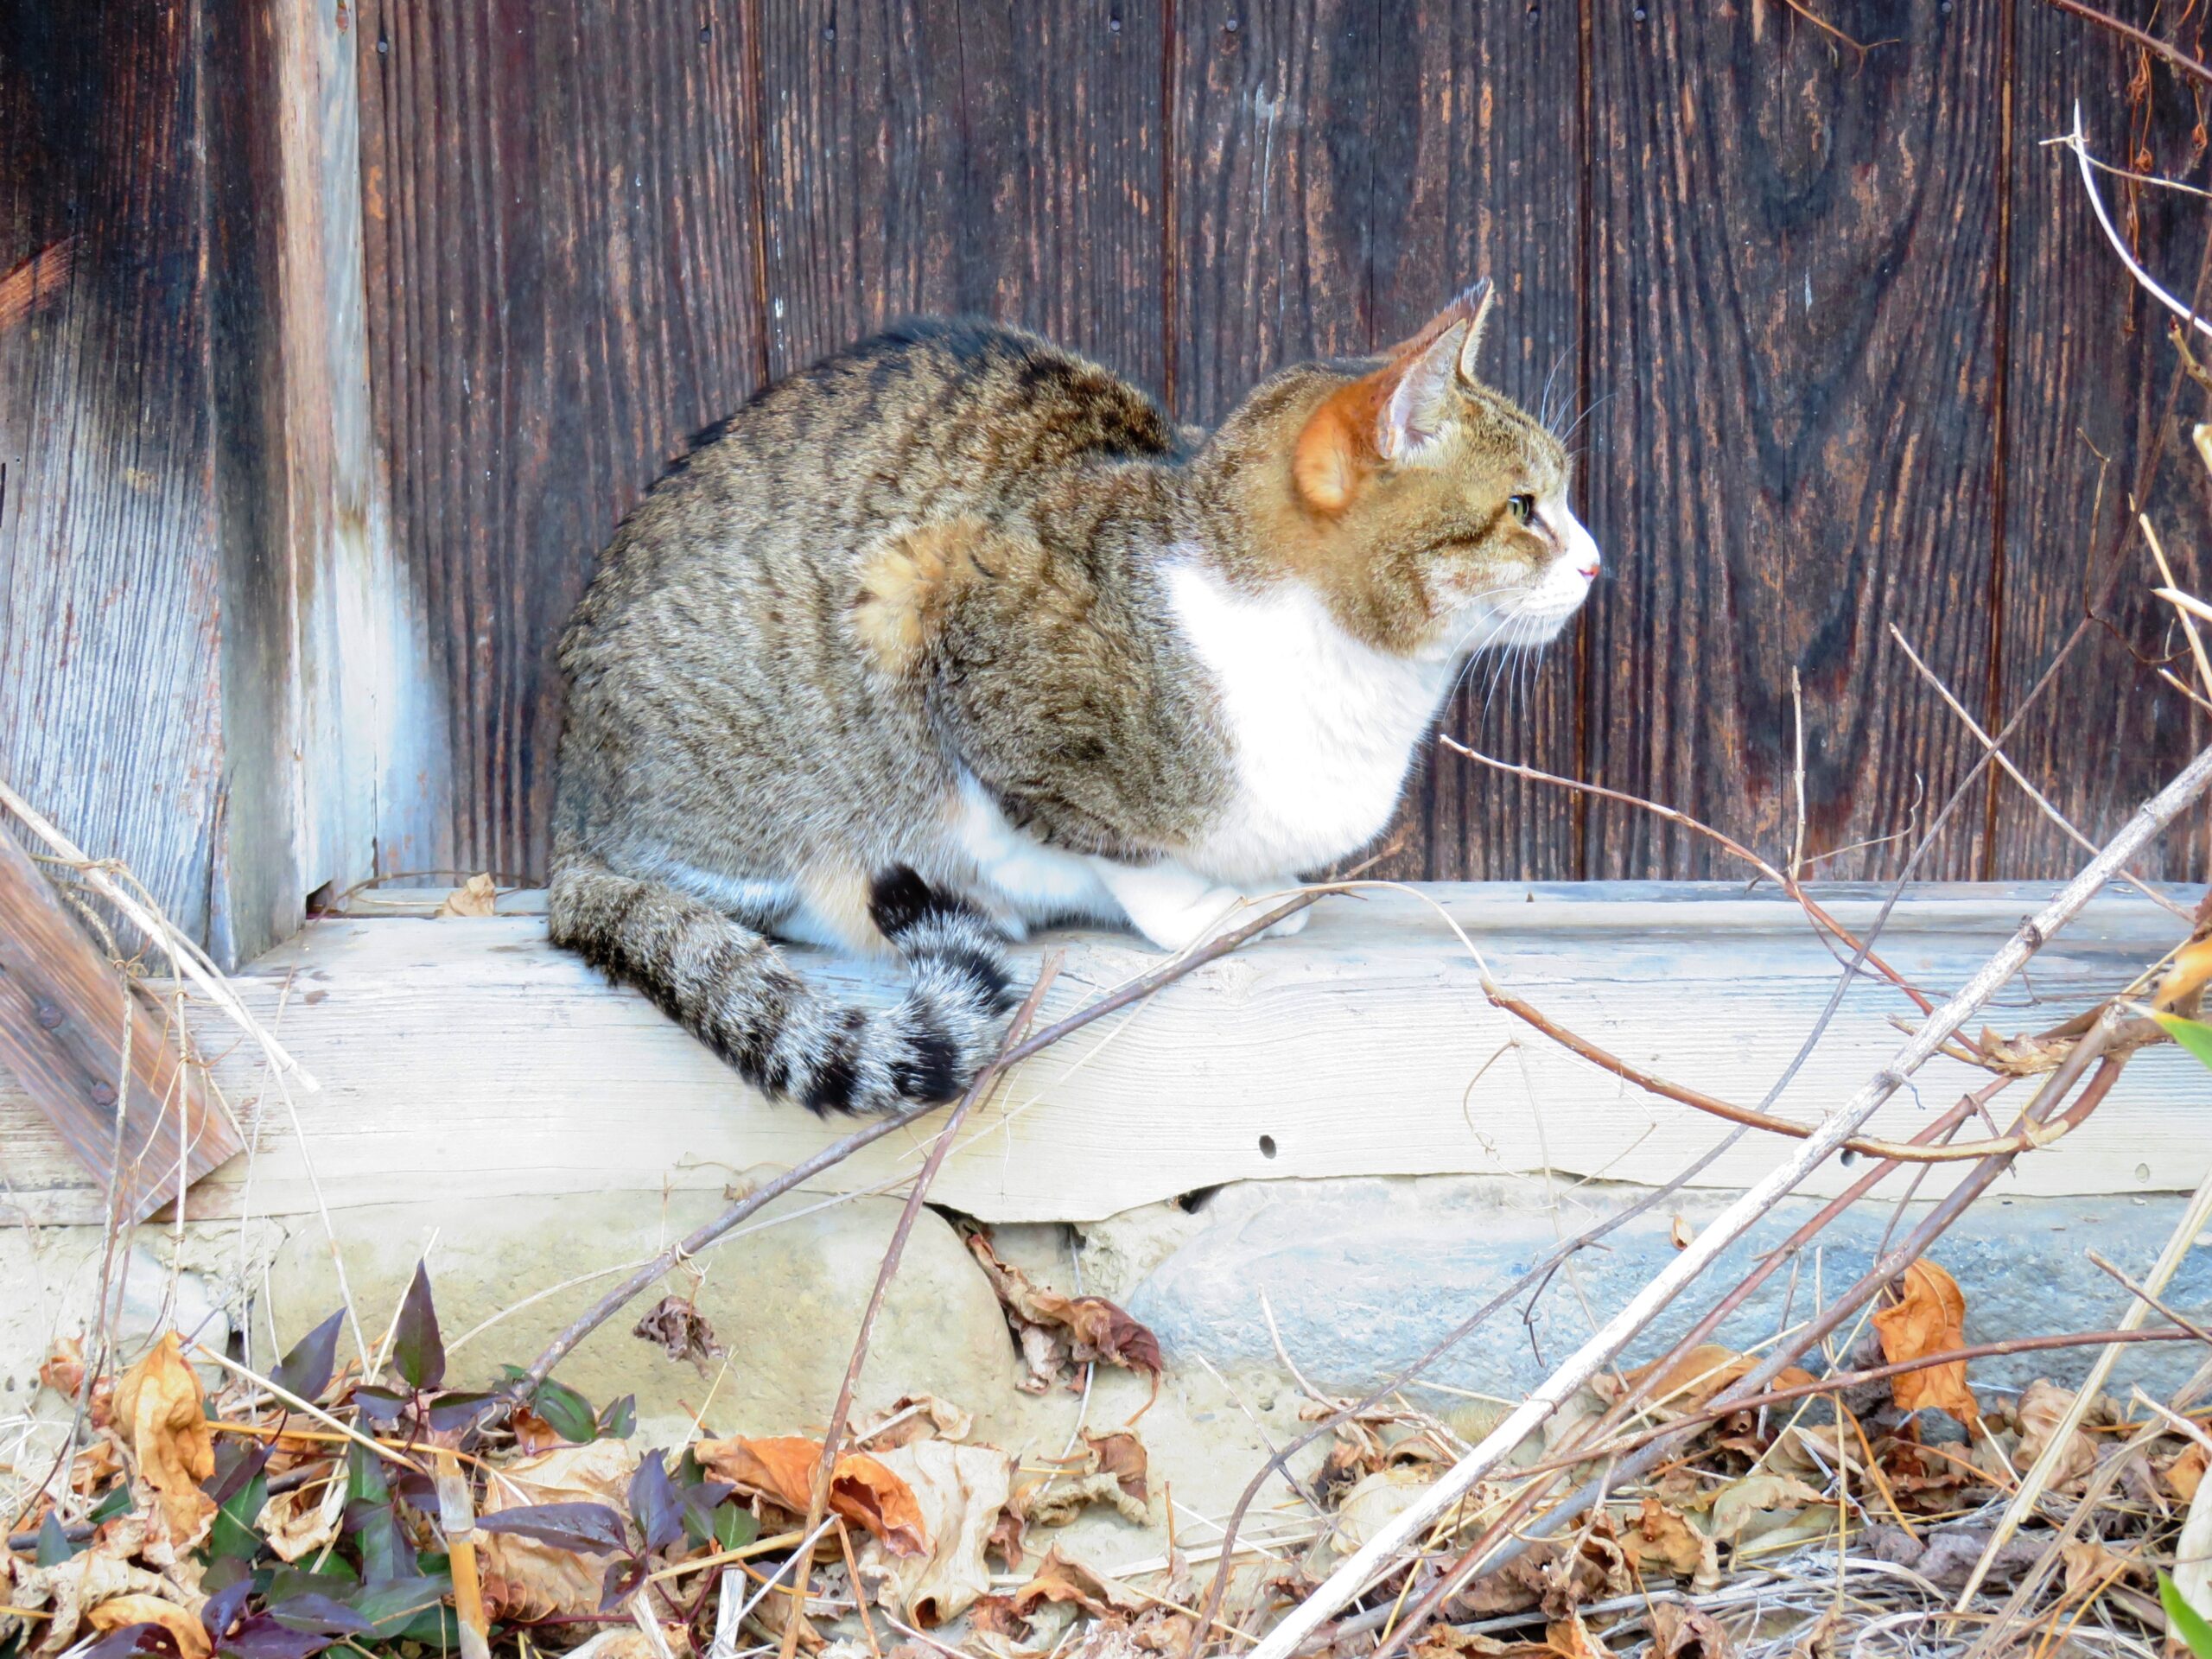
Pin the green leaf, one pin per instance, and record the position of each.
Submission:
(233, 1534)
(2182, 1619)
(111, 1506)
(569, 1412)
(53, 1545)
(620, 1420)
(2192, 1034)
(417, 1350)
(735, 1527)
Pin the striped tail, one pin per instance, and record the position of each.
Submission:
(728, 986)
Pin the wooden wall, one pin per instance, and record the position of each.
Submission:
(1849, 351)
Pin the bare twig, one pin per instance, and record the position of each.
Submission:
(2172, 54)
(833, 1437)
(1350, 1579)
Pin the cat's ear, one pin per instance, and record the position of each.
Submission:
(1395, 413)
(1427, 371)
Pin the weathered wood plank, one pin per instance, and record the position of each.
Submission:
(110, 556)
(468, 1059)
(999, 161)
(1793, 315)
(1477, 170)
(559, 245)
(2089, 369)
(107, 1078)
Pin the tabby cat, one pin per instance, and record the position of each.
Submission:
(956, 634)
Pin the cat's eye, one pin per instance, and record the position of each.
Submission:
(1522, 507)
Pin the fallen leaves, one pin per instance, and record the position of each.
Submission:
(862, 1489)
(2042, 1410)
(529, 1578)
(478, 896)
(957, 1492)
(1927, 1318)
(1059, 1333)
(184, 1628)
(160, 1413)
(676, 1326)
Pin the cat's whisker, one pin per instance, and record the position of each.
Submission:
(1594, 407)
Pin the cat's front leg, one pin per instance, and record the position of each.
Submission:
(1172, 906)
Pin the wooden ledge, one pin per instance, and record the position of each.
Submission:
(468, 1059)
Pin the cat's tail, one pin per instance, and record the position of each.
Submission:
(732, 989)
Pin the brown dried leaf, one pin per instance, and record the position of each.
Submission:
(532, 1433)
(300, 1521)
(862, 1489)
(2040, 1412)
(523, 1578)
(913, 1417)
(959, 1493)
(476, 897)
(1059, 1579)
(1741, 1503)
(1056, 1331)
(2186, 1473)
(1681, 1233)
(160, 1412)
(70, 1589)
(681, 1332)
(1058, 1499)
(1680, 1632)
(997, 1617)
(1661, 1537)
(1570, 1638)
(1928, 1318)
(1701, 1373)
(1121, 1455)
(191, 1635)
(2091, 1566)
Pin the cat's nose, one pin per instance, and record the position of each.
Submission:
(1582, 547)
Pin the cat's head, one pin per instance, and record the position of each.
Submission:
(1430, 508)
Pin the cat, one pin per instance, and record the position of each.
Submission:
(956, 634)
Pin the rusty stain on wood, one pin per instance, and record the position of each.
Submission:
(142, 1123)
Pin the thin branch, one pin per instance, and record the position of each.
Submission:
(1351, 1577)
(2172, 54)
(1729, 844)
(833, 1437)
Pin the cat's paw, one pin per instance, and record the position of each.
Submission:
(1175, 927)
(1292, 923)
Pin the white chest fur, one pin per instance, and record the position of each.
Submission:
(1324, 725)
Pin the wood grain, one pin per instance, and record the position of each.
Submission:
(97, 1059)
(1794, 312)
(1002, 160)
(2089, 370)
(1477, 170)
(468, 1060)
(559, 232)
(110, 560)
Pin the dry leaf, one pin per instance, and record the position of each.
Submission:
(1701, 1373)
(299, 1523)
(1570, 1638)
(862, 1489)
(1375, 1501)
(2091, 1566)
(1057, 1332)
(1059, 1579)
(70, 1589)
(958, 1491)
(523, 1578)
(1682, 1233)
(1737, 1504)
(532, 1433)
(476, 897)
(2186, 1473)
(913, 1417)
(681, 1331)
(1660, 1536)
(994, 1616)
(1929, 1319)
(1057, 1500)
(191, 1635)
(1122, 1456)
(2040, 1412)
(1680, 1632)
(160, 1414)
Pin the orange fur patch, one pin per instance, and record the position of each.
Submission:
(901, 586)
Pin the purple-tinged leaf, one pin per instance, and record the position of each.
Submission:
(306, 1370)
(315, 1614)
(591, 1529)
(699, 1502)
(622, 1579)
(618, 1419)
(417, 1350)
(236, 1465)
(263, 1637)
(382, 1407)
(453, 1411)
(653, 1502)
(222, 1610)
(126, 1640)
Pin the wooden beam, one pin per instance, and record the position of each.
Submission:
(467, 1059)
(142, 1125)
